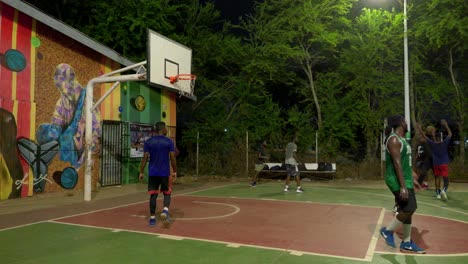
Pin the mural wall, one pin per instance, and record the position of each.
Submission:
(43, 78)
(43, 75)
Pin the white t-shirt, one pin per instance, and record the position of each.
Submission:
(290, 149)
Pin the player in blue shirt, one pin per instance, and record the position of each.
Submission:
(161, 153)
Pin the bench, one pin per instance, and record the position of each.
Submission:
(307, 170)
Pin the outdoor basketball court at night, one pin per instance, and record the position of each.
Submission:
(233, 223)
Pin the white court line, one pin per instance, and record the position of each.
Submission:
(228, 244)
(236, 211)
(125, 205)
(375, 237)
(287, 201)
(110, 208)
(25, 225)
(422, 255)
(292, 252)
(388, 196)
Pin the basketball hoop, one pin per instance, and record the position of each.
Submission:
(184, 82)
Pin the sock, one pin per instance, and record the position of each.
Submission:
(286, 186)
(153, 217)
(166, 209)
(393, 224)
(167, 201)
(152, 203)
(406, 233)
(446, 183)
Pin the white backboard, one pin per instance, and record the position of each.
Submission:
(167, 58)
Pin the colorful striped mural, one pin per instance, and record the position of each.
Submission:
(43, 74)
(17, 76)
(110, 107)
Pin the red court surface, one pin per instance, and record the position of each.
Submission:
(300, 227)
(436, 235)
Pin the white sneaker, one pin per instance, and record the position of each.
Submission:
(300, 190)
(438, 196)
(444, 195)
(286, 189)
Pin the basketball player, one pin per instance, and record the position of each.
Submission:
(160, 150)
(399, 179)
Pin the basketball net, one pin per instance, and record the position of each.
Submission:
(185, 83)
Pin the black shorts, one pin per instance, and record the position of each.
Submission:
(292, 170)
(406, 206)
(157, 184)
(423, 167)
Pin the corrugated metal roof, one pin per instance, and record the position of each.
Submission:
(68, 31)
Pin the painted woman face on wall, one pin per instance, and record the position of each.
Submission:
(64, 79)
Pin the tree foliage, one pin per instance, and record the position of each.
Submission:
(295, 67)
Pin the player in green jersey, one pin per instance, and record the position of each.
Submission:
(399, 179)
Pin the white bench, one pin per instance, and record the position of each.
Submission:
(310, 169)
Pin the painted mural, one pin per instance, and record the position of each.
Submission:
(34, 90)
(42, 141)
(11, 170)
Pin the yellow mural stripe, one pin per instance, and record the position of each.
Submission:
(32, 59)
(32, 92)
(13, 46)
(109, 107)
(165, 107)
(104, 88)
(115, 103)
(108, 101)
(15, 111)
(33, 136)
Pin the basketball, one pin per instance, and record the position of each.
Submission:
(140, 103)
(69, 178)
(430, 130)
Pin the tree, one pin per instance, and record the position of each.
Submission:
(441, 26)
(371, 62)
(299, 35)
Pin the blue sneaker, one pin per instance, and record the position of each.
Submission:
(411, 247)
(152, 221)
(165, 216)
(388, 236)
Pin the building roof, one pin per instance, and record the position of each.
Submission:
(68, 31)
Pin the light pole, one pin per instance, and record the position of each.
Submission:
(406, 71)
(405, 48)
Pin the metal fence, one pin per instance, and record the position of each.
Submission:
(111, 152)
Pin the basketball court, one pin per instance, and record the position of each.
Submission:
(263, 223)
(222, 222)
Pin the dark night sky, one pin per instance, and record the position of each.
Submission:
(233, 9)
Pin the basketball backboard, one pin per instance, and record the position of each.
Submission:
(167, 58)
